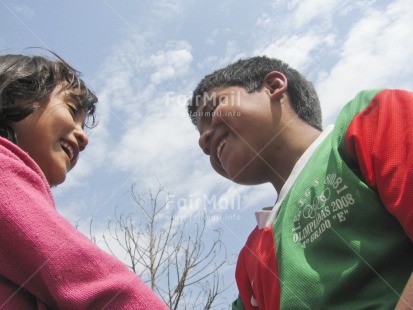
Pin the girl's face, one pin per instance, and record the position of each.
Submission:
(53, 135)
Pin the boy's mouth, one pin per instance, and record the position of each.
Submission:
(220, 148)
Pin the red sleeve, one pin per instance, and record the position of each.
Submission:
(43, 254)
(380, 139)
(257, 271)
(244, 285)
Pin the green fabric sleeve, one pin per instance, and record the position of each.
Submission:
(238, 304)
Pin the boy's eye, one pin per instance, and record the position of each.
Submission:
(214, 107)
(215, 104)
(210, 111)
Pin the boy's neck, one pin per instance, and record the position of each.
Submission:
(298, 142)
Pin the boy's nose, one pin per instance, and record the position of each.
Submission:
(205, 141)
(81, 138)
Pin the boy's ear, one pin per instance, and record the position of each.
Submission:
(276, 83)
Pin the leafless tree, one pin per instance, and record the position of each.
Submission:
(169, 252)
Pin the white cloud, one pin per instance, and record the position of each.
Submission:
(135, 119)
(264, 20)
(24, 11)
(377, 53)
(209, 41)
(295, 50)
(170, 64)
(308, 10)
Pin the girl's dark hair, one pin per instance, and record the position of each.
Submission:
(25, 81)
(250, 73)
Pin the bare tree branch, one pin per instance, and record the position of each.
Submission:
(171, 257)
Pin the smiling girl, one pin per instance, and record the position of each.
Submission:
(44, 261)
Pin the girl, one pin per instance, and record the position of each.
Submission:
(44, 261)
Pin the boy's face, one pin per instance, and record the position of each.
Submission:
(238, 130)
(53, 135)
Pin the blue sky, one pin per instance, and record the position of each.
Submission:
(143, 59)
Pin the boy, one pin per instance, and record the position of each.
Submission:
(339, 235)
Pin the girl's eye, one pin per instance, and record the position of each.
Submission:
(73, 110)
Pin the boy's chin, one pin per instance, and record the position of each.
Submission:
(243, 180)
(246, 182)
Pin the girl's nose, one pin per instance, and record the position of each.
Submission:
(81, 138)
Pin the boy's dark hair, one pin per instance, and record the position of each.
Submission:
(250, 73)
(25, 81)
